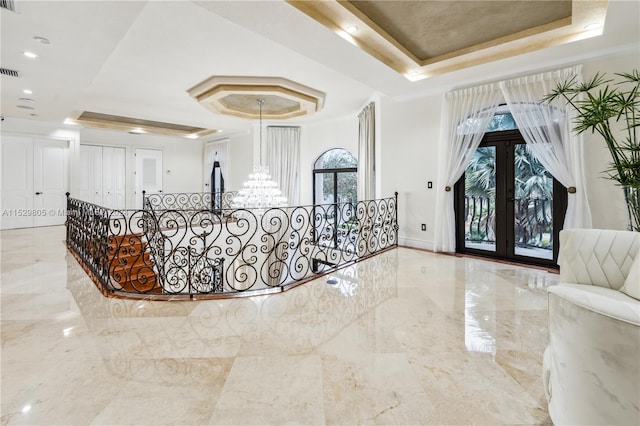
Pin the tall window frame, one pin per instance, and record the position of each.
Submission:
(350, 166)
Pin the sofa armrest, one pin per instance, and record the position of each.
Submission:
(604, 301)
(592, 367)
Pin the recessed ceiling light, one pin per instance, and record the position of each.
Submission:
(41, 40)
(352, 29)
(137, 132)
(192, 136)
(27, 91)
(25, 107)
(30, 55)
(592, 26)
(33, 114)
(26, 99)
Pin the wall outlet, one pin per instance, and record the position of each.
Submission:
(424, 226)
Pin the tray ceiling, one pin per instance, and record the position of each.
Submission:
(424, 38)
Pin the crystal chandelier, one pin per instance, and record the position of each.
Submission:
(259, 192)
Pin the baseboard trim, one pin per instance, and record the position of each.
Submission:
(415, 243)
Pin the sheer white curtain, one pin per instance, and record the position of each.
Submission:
(547, 130)
(366, 153)
(467, 115)
(283, 160)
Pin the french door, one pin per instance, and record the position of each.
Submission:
(102, 176)
(508, 206)
(34, 181)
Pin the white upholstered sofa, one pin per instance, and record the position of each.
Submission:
(591, 368)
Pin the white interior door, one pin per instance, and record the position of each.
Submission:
(34, 182)
(50, 181)
(91, 174)
(148, 173)
(113, 184)
(17, 182)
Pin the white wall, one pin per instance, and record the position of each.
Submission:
(240, 160)
(182, 157)
(607, 200)
(409, 139)
(48, 130)
(409, 136)
(315, 139)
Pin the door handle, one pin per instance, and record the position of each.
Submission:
(38, 193)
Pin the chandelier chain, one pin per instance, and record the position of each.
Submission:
(260, 103)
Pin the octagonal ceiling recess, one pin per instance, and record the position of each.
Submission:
(237, 96)
(424, 38)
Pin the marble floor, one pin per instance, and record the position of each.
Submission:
(406, 338)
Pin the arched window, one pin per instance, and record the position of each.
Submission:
(335, 178)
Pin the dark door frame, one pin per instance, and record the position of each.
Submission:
(505, 142)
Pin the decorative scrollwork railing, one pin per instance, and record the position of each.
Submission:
(480, 218)
(168, 253)
(189, 201)
(533, 221)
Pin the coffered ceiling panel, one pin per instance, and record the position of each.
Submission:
(428, 29)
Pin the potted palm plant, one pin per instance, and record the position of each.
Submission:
(611, 109)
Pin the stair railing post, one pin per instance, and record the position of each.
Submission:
(397, 227)
(66, 222)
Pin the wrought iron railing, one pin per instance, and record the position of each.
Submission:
(533, 219)
(534, 222)
(189, 201)
(480, 217)
(174, 253)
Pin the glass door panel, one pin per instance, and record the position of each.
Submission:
(532, 206)
(480, 200)
(325, 210)
(347, 221)
(508, 206)
(324, 184)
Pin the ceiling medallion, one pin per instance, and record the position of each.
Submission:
(237, 96)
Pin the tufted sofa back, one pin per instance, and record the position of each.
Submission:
(599, 257)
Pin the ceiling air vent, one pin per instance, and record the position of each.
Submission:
(10, 73)
(8, 4)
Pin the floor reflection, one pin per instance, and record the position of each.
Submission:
(405, 337)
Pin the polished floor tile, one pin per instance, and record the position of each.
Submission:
(407, 337)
